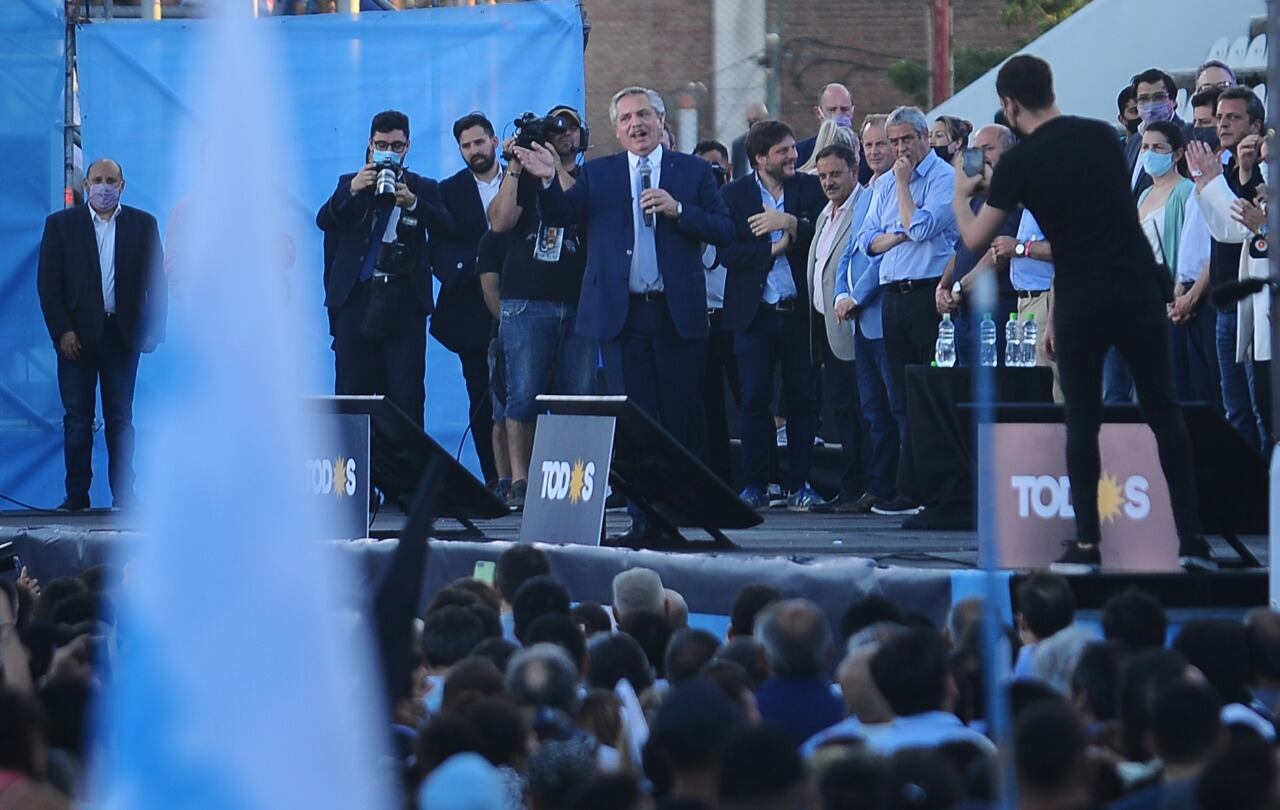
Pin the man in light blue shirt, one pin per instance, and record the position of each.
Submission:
(912, 231)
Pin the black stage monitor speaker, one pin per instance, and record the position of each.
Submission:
(399, 452)
(660, 476)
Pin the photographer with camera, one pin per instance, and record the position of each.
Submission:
(378, 279)
(540, 284)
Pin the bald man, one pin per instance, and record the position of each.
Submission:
(835, 102)
(101, 286)
(753, 112)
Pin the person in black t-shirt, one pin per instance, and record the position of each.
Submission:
(1108, 291)
(541, 282)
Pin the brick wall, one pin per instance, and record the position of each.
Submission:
(668, 43)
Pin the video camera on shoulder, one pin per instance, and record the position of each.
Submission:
(531, 129)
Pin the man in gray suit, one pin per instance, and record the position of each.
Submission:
(831, 340)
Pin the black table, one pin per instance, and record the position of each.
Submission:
(939, 454)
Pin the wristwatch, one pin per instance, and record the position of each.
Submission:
(1022, 249)
(679, 209)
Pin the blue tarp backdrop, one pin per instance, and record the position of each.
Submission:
(137, 105)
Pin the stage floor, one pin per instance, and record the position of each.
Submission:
(783, 533)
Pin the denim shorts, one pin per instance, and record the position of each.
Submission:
(544, 354)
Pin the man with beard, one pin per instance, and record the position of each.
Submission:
(774, 211)
(647, 212)
(461, 322)
(541, 281)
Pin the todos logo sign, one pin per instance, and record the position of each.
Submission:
(1049, 497)
(561, 480)
(335, 477)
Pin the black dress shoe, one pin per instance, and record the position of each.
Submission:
(648, 537)
(74, 503)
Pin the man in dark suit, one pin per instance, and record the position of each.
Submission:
(101, 285)
(647, 211)
(774, 210)
(378, 280)
(462, 322)
(1157, 98)
(835, 102)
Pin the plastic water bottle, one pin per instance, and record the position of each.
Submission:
(1013, 341)
(945, 351)
(987, 341)
(1029, 340)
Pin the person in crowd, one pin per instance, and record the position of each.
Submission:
(911, 230)
(536, 598)
(1092, 692)
(1204, 116)
(835, 103)
(1157, 97)
(541, 283)
(378, 282)
(1219, 649)
(753, 113)
(1134, 619)
(797, 641)
(1180, 240)
(774, 210)
(1046, 606)
(831, 339)
(751, 599)
(1050, 753)
(721, 367)
(829, 132)
(761, 770)
(462, 323)
(638, 590)
(516, 566)
(1127, 111)
(688, 651)
(645, 303)
(949, 136)
(968, 266)
(858, 299)
(1243, 332)
(1115, 294)
(686, 743)
(101, 285)
(1215, 75)
(912, 670)
(1185, 733)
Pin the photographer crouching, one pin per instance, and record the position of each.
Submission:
(378, 280)
(540, 284)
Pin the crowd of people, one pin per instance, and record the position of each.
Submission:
(521, 697)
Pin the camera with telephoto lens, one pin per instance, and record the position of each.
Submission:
(531, 129)
(384, 187)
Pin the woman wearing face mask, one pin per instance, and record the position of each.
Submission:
(1180, 241)
(949, 136)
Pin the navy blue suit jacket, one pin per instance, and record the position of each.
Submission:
(462, 321)
(601, 200)
(69, 277)
(747, 257)
(347, 221)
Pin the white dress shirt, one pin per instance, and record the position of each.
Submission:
(104, 231)
(826, 244)
(488, 190)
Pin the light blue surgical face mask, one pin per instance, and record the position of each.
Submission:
(844, 120)
(1156, 164)
(380, 157)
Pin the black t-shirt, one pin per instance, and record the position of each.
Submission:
(543, 263)
(1072, 176)
(1224, 257)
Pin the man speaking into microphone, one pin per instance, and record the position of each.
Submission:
(648, 211)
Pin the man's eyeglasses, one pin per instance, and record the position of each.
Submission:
(1222, 85)
(391, 146)
(1154, 98)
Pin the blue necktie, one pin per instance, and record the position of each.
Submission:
(645, 251)
(375, 244)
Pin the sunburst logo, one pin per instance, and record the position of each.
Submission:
(576, 479)
(340, 477)
(1111, 499)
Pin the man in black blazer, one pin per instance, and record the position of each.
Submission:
(774, 210)
(101, 285)
(648, 212)
(462, 323)
(377, 283)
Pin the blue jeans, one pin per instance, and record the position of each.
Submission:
(879, 409)
(543, 354)
(114, 366)
(1117, 382)
(1238, 396)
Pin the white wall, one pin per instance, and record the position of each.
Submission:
(1097, 49)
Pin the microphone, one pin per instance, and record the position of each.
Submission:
(1224, 295)
(646, 183)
